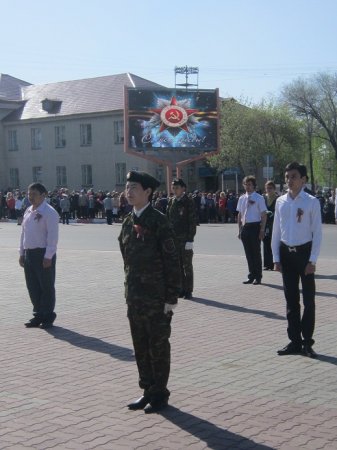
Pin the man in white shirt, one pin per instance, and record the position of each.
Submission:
(252, 216)
(296, 240)
(38, 244)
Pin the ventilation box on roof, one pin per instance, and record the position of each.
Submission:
(51, 106)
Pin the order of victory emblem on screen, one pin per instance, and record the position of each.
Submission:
(172, 119)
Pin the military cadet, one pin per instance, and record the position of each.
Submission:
(152, 285)
(181, 214)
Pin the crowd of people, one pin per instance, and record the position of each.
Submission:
(218, 207)
(211, 207)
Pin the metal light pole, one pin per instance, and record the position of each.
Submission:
(186, 71)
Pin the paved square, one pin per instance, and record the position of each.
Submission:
(67, 387)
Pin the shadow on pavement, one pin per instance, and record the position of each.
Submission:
(326, 277)
(321, 294)
(326, 294)
(215, 304)
(274, 286)
(215, 437)
(327, 359)
(91, 343)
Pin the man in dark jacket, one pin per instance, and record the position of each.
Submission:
(152, 284)
(181, 214)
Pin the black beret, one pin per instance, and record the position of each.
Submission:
(178, 182)
(145, 179)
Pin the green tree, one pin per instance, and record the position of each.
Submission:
(248, 133)
(316, 98)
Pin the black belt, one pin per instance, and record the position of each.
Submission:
(252, 224)
(296, 248)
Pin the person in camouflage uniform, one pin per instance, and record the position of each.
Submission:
(152, 285)
(181, 214)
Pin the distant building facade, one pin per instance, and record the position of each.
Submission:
(71, 134)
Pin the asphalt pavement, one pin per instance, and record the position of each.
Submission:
(67, 387)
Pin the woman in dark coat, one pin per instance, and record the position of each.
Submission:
(270, 198)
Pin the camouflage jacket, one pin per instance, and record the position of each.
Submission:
(181, 215)
(151, 262)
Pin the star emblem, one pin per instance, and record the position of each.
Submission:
(174, 116)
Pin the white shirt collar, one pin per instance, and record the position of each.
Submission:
(138, 212)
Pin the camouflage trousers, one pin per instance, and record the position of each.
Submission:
(185, 258)
(150, 336)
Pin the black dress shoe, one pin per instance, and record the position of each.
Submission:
(33, 323)
(249, 281)
(188, 295)
(308, 351)
(290, 349)
(139, 404)
(257, 282)
(156, 406)
(46, 325)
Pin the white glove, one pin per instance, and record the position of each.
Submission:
(189, 246)
(168, 307)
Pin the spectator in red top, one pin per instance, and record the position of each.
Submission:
(10, 201)
(222, 207)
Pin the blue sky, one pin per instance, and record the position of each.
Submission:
(247, 48)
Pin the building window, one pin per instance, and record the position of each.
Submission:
(120, 170)
(14, 178)
(160, 173)
(191, 174)
(12, 141)
(85, 132)
(60, 136)
(119, 131)
(37, 174)
(61, 176)
(36, 138)
(86, 175)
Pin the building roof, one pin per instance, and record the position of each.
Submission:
(10, 87)
(91, 95)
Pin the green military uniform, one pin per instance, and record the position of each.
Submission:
(181, 215)
(152, 278)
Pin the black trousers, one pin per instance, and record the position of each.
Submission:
(267, 253)
(252, 246)
(186, 267)
(293, 266)
(108, 213)
(40, 284)
(65, 217)
(150, 335)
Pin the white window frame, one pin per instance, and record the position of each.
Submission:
(13, 141)
(60, 136)
(36, 138)
(61, 176)
(119, 131)
(37, 174)
(86, 175)
(120, 173)
(14, 179)
(85, 134)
